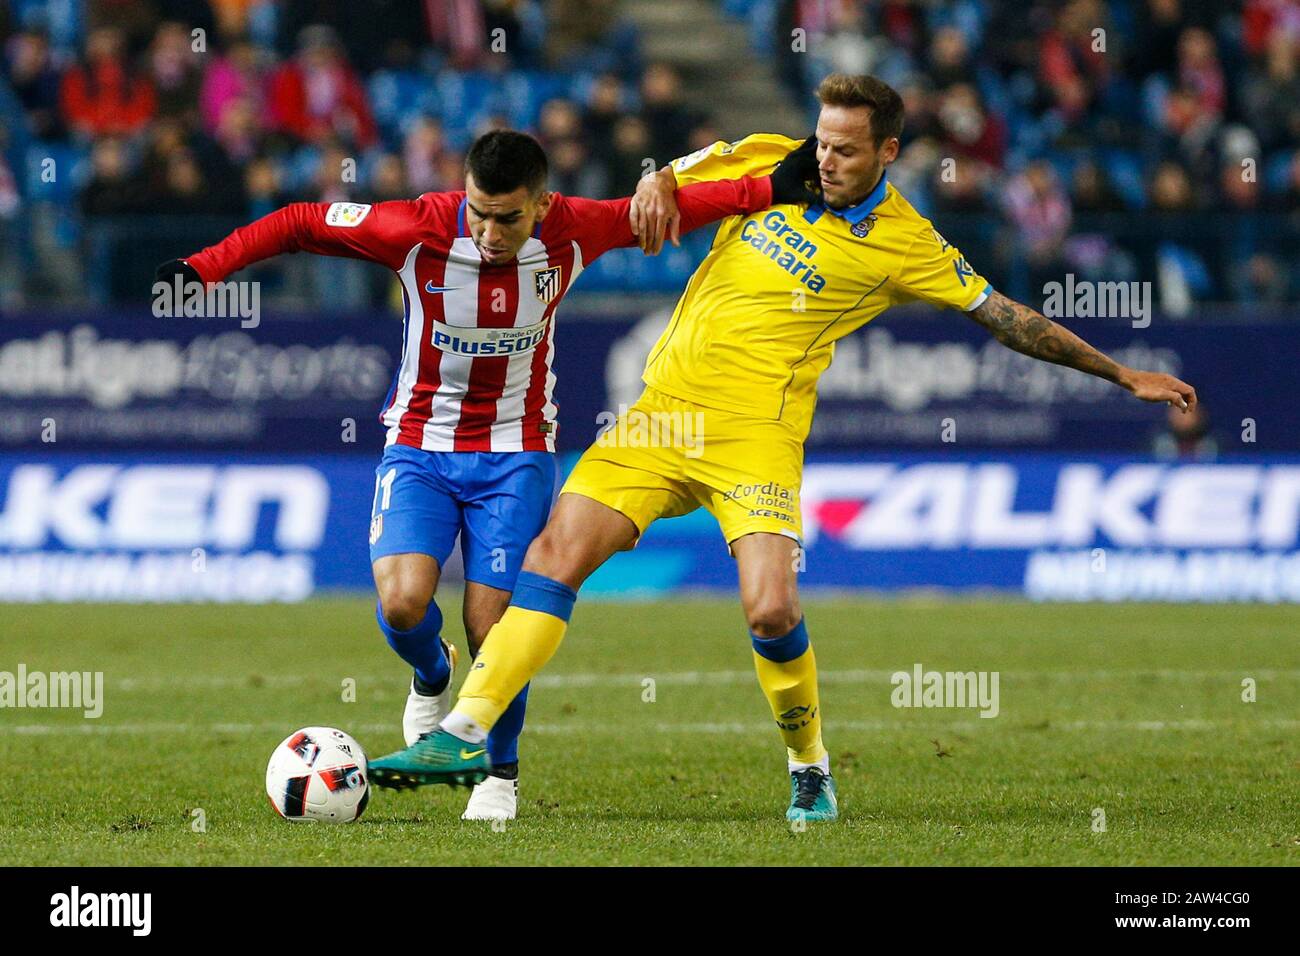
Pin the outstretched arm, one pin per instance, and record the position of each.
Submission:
(655, 213)
(1031, 333)
(382, 232)
(606, 223)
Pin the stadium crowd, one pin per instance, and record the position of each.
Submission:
(1122, 140)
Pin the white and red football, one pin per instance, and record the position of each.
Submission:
(318, 773)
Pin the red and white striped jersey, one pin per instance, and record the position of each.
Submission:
(475, 373)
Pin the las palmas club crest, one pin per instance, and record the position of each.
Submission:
(546, 283)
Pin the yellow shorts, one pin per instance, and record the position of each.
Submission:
(665, 457)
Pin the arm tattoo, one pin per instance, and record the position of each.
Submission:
(1021, 328)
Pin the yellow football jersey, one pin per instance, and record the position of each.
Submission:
(758, 321)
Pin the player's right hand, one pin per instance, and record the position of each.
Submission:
(794, 179)
(176, 267)
(653, 213)
(1159, 387)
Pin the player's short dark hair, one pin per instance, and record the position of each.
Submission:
(503, 160)
(844, 89)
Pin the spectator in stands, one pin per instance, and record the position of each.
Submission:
(571, 173)
(187, 191)
(519, 27)
(451, 171)
(317, 96)
(1092, 191)
(241, 135)
(233, 76)
(1040, 209)
(605, 104)
(423, 151)
(112, 189)
(1261, 278)
(589, 36)
(919, 110)
(176, 72)
(703, 135)
(628, 162)
(968, 130)
(233, 17)
(1189, 131)
(263, 187)
(1200, 73)
(669, 120)
(960, 185)
(1171, 189)
(1159, 24)
(1271, 98)
(388, 179)
(950, 59)
(1074, 62)
(328, 184)
(31, 73)
(103, 94)
(164, 172)
(1186, 437)
(559, 120)
(845, 44)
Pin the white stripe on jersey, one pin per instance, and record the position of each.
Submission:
(507, 433)
(459, 307)
(407, 371)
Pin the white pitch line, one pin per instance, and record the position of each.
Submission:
(738, 728)
(850, 676)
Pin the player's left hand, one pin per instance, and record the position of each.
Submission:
(1159, 387)
(654, 211)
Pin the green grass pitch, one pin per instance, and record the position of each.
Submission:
(1133, 711)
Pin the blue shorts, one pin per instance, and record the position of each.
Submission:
(496, 501)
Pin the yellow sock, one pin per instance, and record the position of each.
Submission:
(516, 648)
(791, 690)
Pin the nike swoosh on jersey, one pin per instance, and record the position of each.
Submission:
(435, 289)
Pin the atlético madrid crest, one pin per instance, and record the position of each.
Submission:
(546, 283)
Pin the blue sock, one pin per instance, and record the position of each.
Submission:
(421, 647)
(782, 649)
(537, 592)
(503, 738)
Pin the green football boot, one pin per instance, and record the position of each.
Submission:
(812, 796)
(436, 757)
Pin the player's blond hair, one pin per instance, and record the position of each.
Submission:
(853, 90)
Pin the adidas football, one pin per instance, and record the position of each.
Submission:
(318, 773)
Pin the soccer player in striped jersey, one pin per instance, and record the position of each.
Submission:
(752, 333)
(470, 418)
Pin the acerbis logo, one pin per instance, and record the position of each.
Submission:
(997, 505)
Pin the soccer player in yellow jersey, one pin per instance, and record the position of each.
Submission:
(754, 329)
